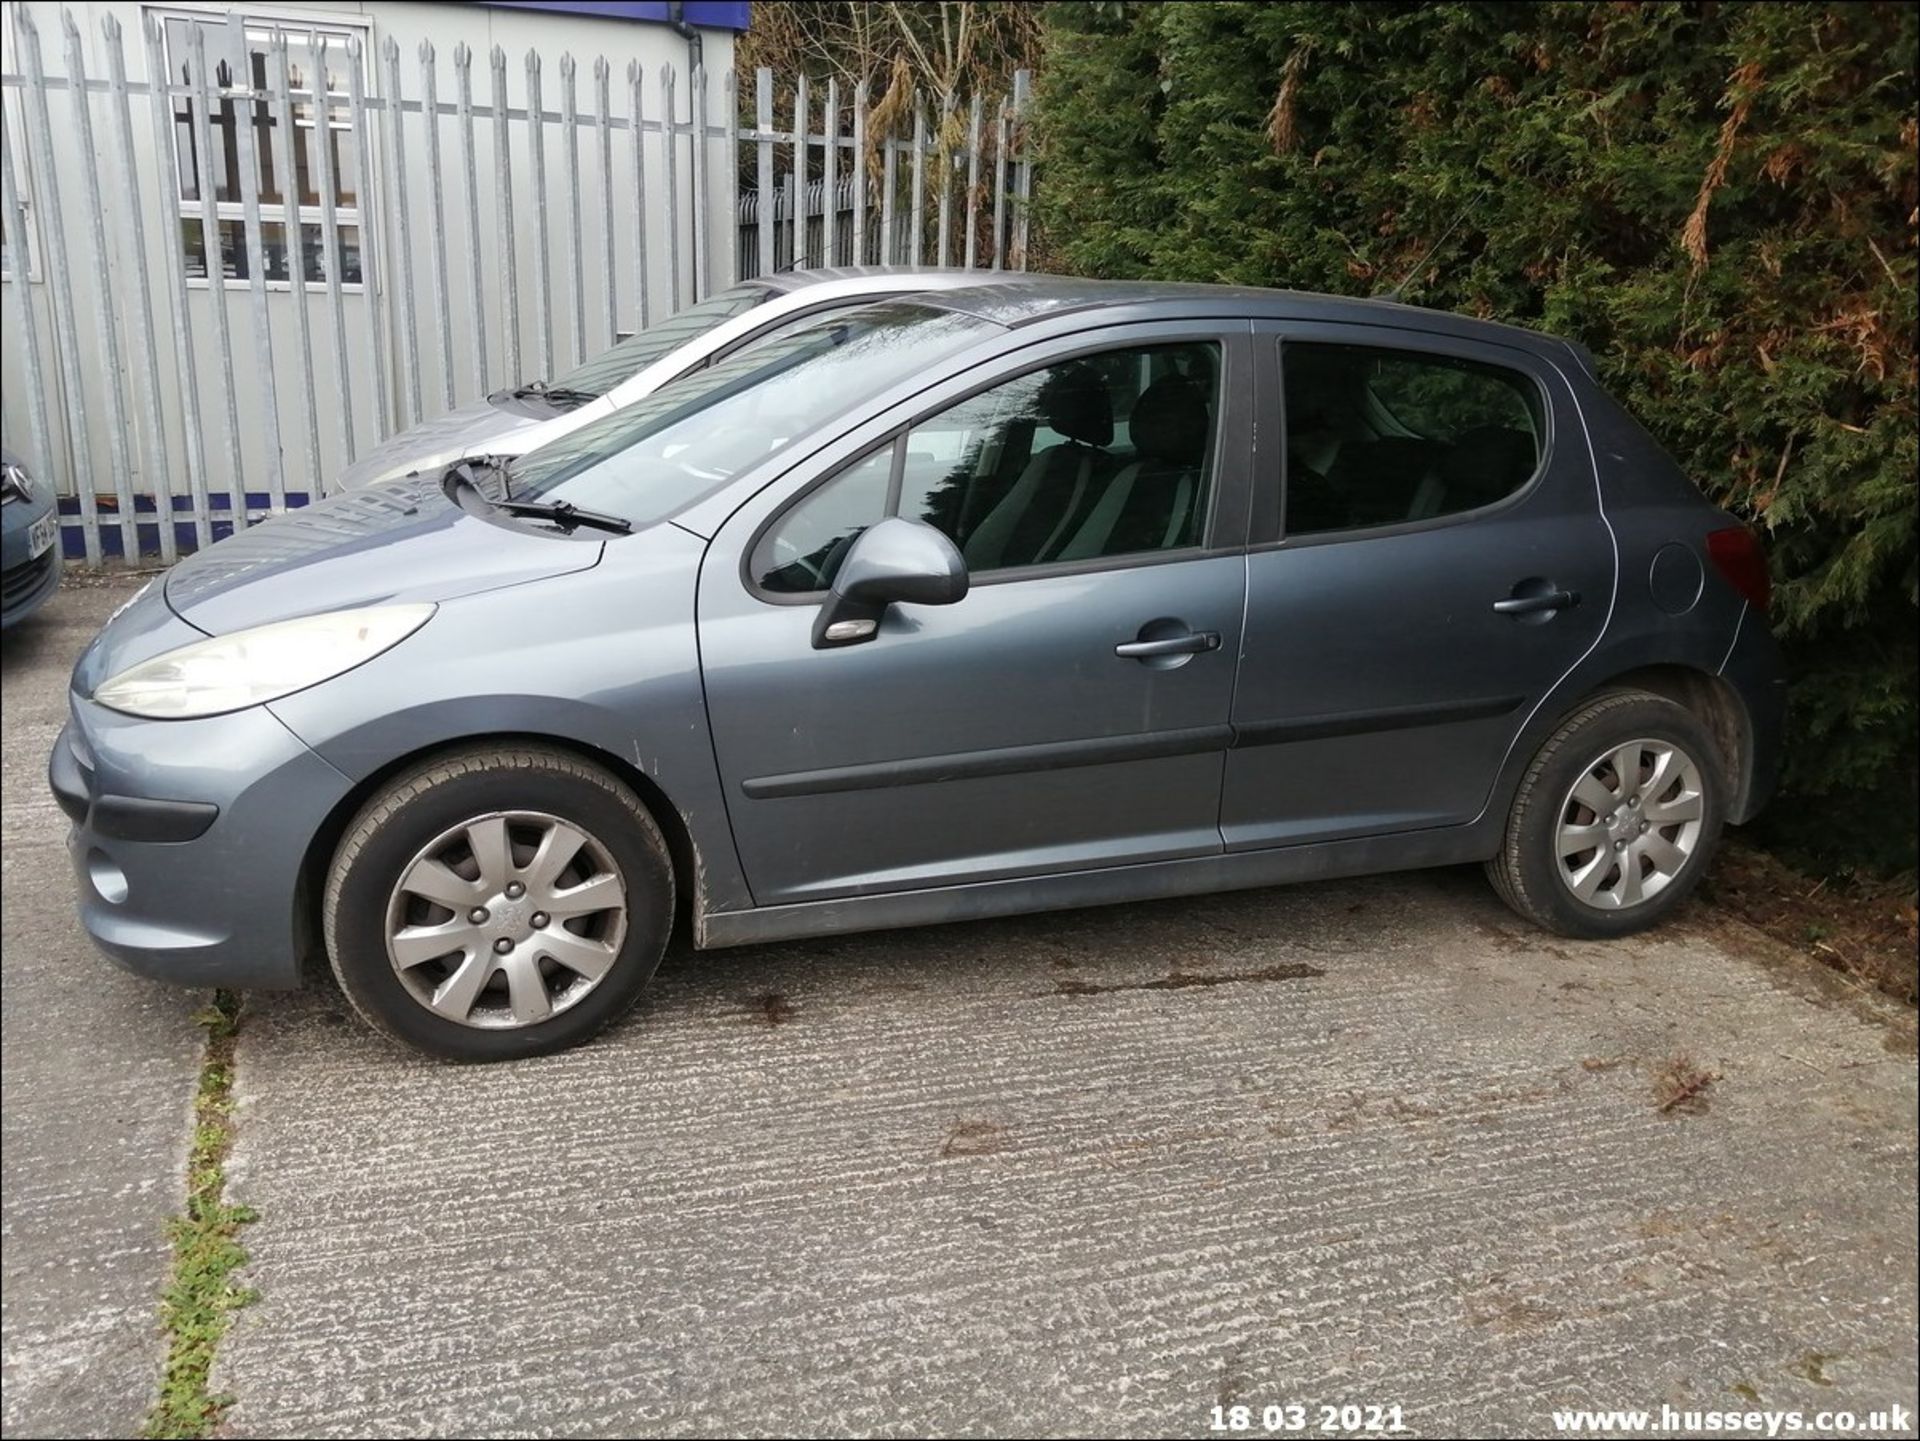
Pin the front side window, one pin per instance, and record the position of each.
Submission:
(290, 205)
(1103, 456)
(1386, 437)
(627, 359)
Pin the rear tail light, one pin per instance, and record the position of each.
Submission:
(1736, 554)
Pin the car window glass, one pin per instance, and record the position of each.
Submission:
(1101, 456)
(804, 550)
(687, 440)
(637, 352)
(1386, 437)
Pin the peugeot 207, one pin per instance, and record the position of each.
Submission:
(994, 601)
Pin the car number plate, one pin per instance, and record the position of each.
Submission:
(41, 534)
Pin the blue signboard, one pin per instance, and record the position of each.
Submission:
(708, 14)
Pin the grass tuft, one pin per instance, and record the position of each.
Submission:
(201, 1294)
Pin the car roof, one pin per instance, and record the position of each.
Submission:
(1015, 299)
(888, 279)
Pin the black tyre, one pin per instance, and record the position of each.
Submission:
(498, 902)
(1615, 820)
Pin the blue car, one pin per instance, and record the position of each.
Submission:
(29, 542)
(951, 606)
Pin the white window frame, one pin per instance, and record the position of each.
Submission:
(263, 19)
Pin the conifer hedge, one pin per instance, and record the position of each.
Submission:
(1718, 199)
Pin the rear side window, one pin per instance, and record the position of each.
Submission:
(1380, 437)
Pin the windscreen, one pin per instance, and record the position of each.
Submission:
(686, 440)
(636, 353)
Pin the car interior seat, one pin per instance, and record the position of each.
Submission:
(1152, 503)
(1030, 520)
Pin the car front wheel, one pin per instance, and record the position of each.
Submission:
(497, 903)
(1615, 820)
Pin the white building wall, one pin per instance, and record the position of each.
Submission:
(607, 309)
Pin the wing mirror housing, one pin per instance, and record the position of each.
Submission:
(897, 561)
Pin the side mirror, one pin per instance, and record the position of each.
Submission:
(897, 560)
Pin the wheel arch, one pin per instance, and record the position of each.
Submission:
(1709, 697)
(688, 872)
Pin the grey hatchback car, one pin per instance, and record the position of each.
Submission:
(948, 607)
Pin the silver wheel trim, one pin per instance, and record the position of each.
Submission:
(507, 919)
(1630, 825)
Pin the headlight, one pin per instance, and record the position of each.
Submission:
(251, 667)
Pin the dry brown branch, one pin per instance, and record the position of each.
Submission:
(1744, 87)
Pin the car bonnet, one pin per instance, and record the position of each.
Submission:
(401, 542)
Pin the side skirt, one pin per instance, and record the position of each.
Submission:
(1194, 875)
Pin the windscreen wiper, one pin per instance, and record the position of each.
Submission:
(564, 396)
(565, 513)
(561, 512)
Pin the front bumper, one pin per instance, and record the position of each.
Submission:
(25, 581)
(189, 840)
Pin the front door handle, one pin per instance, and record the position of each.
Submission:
(1192, 643)
(1538, 603)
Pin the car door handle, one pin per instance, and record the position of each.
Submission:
(1192, 643)
(1535, 604)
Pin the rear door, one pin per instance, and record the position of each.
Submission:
(1430, 558)
(1072, 711)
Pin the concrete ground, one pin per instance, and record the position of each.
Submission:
(1093, 1173)
(99, 1071)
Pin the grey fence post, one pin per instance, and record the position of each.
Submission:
(330, 248)
(576, 241)
(603, 145)
(701, 267)
(477, 319)
(403, 222)
(147, 376)
(537, 154)
(635, 77)
(763, 164)
(973, 183)
(370, 237)
(860, 174)
(216, 273)
(282, 115)
(730, 98)
(18, 266)
(509, 237)
(829, 176)
(797, 167)
(436, 214)
(59, 282)
(669, 126)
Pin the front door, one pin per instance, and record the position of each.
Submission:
(1441, 563)
(1072, 711)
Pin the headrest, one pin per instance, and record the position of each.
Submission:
(1075, 402)
(1169, 421)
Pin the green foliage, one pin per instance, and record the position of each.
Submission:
(1719, 200)
(201, 1294)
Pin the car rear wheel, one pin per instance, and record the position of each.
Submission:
(498, 903)
(1615, 820)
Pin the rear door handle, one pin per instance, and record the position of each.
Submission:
(1192, 643)
(1535, 604)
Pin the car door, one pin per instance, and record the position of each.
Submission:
(1072, 710)
(1429, 559)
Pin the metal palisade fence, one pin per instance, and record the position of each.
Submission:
(239, 252)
